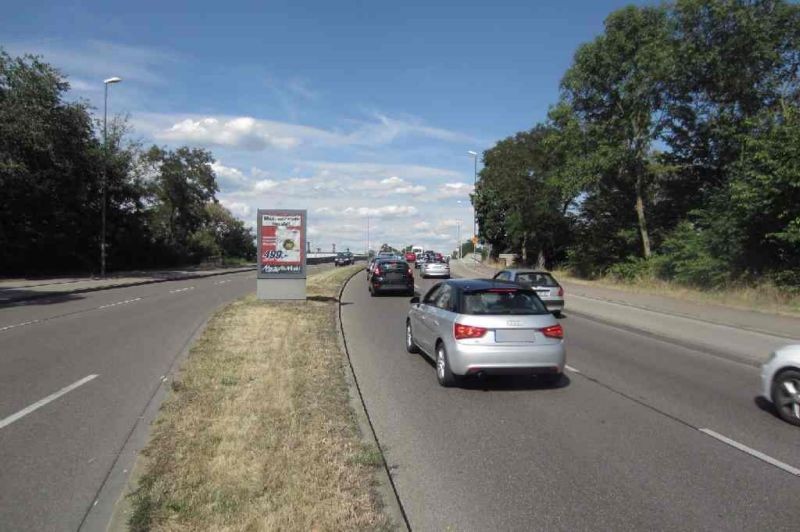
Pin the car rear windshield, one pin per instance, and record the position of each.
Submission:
(394, 265)
(502, 301)
(536, 279)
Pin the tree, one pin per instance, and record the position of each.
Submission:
(231, 236)
(183, 184)
(616, 84)
(50, 172)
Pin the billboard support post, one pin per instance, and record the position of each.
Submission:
(281, 254)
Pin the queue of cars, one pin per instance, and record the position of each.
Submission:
(507, 326)
(501, 326)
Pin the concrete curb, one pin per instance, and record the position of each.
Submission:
(13, 300)
(386, 486)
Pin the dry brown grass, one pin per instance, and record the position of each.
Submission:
(258, 433)
(764, 298)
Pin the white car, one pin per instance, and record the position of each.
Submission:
(780, 382)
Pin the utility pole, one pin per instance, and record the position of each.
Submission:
(474, 156)
(367, 238)
(106, 83)
(458, 247)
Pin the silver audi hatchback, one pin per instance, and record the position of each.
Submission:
(481, 326)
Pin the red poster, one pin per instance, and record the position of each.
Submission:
(282, 243)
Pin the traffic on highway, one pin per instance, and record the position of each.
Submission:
(561, 418)
(427, 266)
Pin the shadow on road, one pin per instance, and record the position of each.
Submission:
(511, 383)
(763, 404)
(14, 297)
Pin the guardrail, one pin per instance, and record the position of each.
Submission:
(322, 258)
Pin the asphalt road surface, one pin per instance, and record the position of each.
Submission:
(642, 434)
(80, 379)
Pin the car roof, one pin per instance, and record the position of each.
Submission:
(469, 285)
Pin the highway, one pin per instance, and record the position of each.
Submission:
(80, 380)
(642, 434)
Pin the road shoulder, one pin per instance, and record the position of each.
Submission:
(744, 336)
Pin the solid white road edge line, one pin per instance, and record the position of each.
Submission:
(752, 452)
(570, 368)
(38, 404)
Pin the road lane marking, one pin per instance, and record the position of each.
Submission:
(23, 324)
(119, 303)
(752, 452)
(223, 282)
(181, 290)
(38, 404)
(570, 368)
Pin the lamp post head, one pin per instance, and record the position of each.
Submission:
(473, 153)
(112, 80)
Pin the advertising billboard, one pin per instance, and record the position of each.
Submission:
(281, 243)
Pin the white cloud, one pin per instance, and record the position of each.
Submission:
(383, 129)
(385, 211)
(242, 210)
(265, 185)
(387, 186)
(96, 60)
(243, 132)
(455, 190)
(250, 133)
(229, 178)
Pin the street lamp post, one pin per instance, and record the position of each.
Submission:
(474, 156)
(458, 249)
(106, 83)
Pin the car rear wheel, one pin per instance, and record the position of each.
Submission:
(411, 347)
(786, 396)
(443, 373)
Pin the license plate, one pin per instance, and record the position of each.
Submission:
(543, 292)
(515, 335)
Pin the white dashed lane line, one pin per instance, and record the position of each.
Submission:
(179, 290)
(40, 403)
(223, 282)
(23, 324)
(119, 303)
(570, 368)
(752, 452)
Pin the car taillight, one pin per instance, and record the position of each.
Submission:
(410, 272)
(560, 291)
(461, 331)
(377, 270)
(554, 331)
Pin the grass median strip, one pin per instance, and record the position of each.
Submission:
(257, 433)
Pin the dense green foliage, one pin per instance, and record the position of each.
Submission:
(673, 152)
(162, 209)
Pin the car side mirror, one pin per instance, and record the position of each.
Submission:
(414, 300)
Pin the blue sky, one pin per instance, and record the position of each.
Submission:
(348, 109)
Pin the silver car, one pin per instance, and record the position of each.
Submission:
(780, 382)
(481, 326)
(435, 269)
(547, 288)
